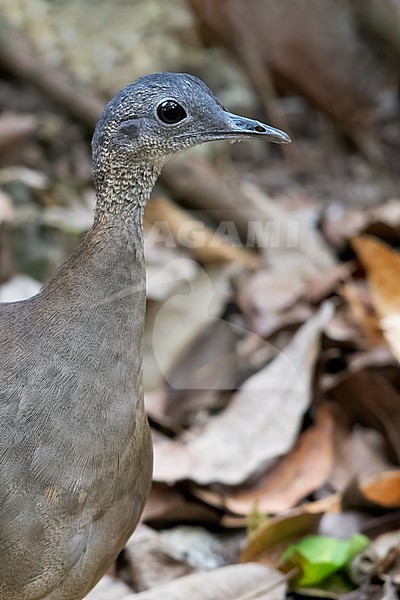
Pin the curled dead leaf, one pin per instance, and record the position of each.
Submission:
(379, 492)
(383, 273)
(267, 543)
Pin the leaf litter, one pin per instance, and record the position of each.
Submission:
(226, 452)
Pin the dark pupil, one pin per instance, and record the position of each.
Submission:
(171, 112)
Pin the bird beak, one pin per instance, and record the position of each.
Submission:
(240, 128)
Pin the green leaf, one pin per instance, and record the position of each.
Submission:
(357, 544)
(318, 557)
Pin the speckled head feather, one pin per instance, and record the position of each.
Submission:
(130, 124)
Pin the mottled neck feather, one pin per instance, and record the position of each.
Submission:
(122, 191)
(109, 263)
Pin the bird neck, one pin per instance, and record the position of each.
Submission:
(122, 190)
(110, 260)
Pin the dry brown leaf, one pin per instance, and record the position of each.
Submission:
(341, 223)
(342, 331)
(228, 583)
(270, 539)
(270, 299)
(295, 246)
(379, 493)
(303, 470)
(362, 314)
(358, 453)
(383, 489)
(261, 423)
(383, 272)
(323, 284)
(372, 401)
(383, 268)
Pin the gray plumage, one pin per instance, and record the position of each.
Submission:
(75, 448)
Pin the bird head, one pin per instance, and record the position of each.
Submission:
(160, 115)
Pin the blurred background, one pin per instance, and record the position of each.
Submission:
(245, 245)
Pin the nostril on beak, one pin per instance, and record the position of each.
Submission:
(242, 128)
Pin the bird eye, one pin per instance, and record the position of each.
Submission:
(171, 112)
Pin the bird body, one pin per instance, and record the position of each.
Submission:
(75, 447)
(85, 463)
